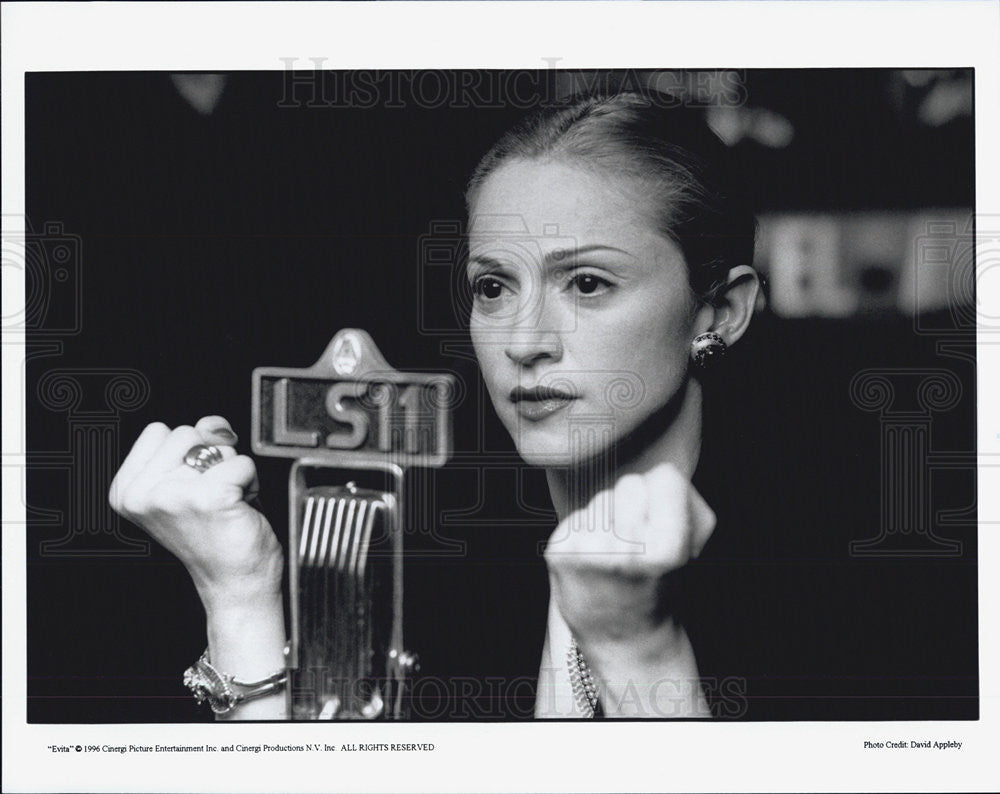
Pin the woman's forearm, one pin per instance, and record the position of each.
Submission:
(200, 514)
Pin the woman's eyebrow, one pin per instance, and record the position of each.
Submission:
(560, 255)
(554, 257)
(485, 261)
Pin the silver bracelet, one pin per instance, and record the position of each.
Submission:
(223, 692)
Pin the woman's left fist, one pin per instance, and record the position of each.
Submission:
(608, 561)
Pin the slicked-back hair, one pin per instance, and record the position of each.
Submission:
(687, 178)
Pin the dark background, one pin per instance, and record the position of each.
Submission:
(212, 244)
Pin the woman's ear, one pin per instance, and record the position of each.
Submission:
(734, 304)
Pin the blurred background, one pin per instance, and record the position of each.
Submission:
(186, 228)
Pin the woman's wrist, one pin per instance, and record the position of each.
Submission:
(655, 645)
(253, 630)
(654, 675)
(259, 585)
(236, 598)
(247, 641)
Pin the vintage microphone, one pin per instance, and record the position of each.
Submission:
(354, 425)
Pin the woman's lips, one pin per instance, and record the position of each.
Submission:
(537, 403)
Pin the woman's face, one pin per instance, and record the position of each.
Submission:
(582, 315)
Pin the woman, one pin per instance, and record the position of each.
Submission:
(609, 259)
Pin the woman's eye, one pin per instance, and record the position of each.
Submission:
(588, 284)
(488, 288)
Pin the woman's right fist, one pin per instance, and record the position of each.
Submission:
(203, 518)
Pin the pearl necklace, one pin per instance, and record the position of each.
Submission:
(582, 682)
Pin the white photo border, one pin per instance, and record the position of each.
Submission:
(412, 35)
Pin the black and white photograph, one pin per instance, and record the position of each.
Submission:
(439, 403)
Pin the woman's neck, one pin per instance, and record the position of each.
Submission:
(671, 435)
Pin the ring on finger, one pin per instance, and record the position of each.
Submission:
(202, 457)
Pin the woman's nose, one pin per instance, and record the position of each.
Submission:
(528, 348)
(534, 334)
(534, 340)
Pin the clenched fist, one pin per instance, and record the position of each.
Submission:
(203, 518)
(609, 563)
